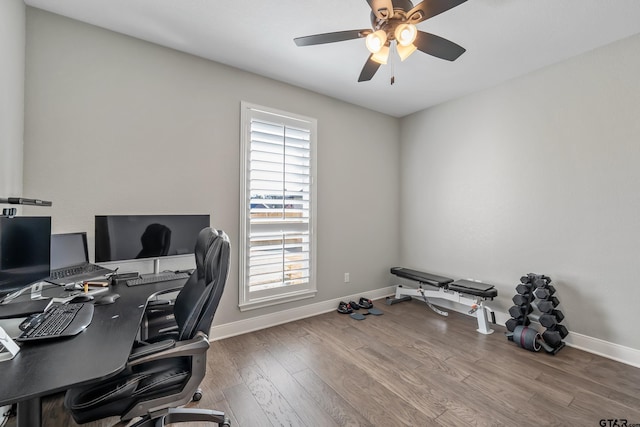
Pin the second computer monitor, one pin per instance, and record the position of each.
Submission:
(123, 237)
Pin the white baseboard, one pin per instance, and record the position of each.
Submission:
(240, 327)
(626, 355)
(620, 353)
(617, 352)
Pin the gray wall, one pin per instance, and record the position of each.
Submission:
(12, 42)
(536, 175)
(115, 125)
(539, 174)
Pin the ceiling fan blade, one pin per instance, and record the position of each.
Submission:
(383, 9)
(369, 69)
(338, 36)
(431, 8)
(437, 46)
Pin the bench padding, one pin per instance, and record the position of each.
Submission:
(469, 287)
(420, 276)
(483, 290)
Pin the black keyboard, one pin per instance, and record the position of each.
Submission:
(58, 321)
(154, 278)
(73, 271)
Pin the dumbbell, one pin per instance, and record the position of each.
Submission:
(512, 323)
(548, 320)
(545, 292)
(524, 288)
(547, 306)
(522, 299)
(561, 329)
(541, 282)
(528, 279)
(558, 315)
(554, 337)
(520, 311)
(537, 280)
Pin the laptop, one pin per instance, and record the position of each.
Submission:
(70, 260)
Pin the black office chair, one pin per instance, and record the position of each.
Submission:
(166, 373)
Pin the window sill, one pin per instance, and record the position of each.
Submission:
(275, 300)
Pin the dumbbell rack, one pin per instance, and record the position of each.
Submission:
(538, 288)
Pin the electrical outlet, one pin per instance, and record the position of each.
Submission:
(346, 277)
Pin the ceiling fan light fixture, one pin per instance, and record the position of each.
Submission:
(405, 51)
(393, 27)
(376, 41)
(381, 56)
(406, 34)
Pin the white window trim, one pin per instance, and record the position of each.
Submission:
(248, 110)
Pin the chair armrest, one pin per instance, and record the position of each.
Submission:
(197, 345)
(168, 291)
(148, 349)
(154, 297)
(158, 302)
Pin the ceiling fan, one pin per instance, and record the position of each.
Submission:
(395, 21)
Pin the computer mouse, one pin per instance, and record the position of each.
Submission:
(106, 299)
(81, 298)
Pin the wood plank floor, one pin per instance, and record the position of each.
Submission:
(408, 367)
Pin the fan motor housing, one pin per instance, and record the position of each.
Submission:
(400, 9)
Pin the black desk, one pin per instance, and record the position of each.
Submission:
(101, 351)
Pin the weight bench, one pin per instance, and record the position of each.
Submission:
(466, 292)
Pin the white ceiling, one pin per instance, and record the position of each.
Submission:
(503, 38)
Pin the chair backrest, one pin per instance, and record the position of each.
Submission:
(199, 298)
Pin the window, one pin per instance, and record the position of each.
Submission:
(277, 235)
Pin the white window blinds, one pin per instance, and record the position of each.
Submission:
(278, 236)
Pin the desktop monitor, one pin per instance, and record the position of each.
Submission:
(126, 237)
(24, 251)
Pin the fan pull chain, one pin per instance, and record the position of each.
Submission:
(391, 63)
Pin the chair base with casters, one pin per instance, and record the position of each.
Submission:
(166, 371)
(160, 371)
(181, 415)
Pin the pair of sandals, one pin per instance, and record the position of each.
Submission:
(348, 308)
